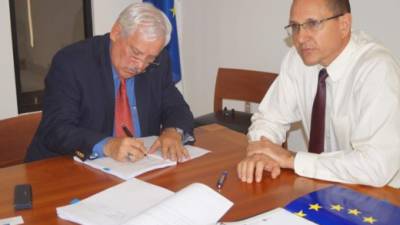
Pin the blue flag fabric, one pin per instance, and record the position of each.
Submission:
(167, 6)
(336, 205)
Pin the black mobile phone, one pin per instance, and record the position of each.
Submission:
(23, 196)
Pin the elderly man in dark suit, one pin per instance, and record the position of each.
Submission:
(101, 91)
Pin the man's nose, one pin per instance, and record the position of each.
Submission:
(301, 36)
(141, 65)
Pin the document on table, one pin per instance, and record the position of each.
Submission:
(276, 216)
(196, 204)
(12, 221)
(127, 170)
(141, 203)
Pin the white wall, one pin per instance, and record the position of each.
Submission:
(105, 12)
(227, 33)
(8, 96)
(380, 19)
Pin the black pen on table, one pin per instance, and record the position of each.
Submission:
(221, 179)
(129, 134)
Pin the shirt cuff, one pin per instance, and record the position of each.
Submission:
(98, 149)
(188, 139)
(304, 164)
(257, 137)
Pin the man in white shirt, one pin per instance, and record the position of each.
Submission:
(360, 129)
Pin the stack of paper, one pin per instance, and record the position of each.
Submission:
(136, 202)
(127, 170)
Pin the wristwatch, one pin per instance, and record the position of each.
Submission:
(186, 137)
(180, 131)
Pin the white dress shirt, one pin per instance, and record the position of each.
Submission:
(362, 123)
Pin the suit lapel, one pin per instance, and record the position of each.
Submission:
(107, 81)
(141, 102)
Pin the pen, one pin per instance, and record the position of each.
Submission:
(127, 131)
(222, 179)
(129, 134)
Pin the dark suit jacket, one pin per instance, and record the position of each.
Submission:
(78, 108)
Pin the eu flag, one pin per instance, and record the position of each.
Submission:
(336, 205)
(167, 6)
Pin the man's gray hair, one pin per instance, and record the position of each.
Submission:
(147, 19)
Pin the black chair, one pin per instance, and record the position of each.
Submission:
(236, 84)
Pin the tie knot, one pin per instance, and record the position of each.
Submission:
(123, 82)
(323, 74)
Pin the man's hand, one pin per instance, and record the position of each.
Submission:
(124, 149)
(171, 145)
(282, 156)
(254, 165)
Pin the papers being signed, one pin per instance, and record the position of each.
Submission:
(127, 170)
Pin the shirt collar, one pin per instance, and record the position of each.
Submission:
(336, 69)
(114, 72)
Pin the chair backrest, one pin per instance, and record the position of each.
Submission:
(16, 134)
(244, 85)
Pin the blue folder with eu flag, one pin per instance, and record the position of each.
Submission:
(337, 205)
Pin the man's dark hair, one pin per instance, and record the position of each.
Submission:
(339, 6)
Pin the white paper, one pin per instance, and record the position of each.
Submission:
(278, 216)
(12, 221)
(196, 204)
(115, 205)
(127, 170)
(136, 202)
(194, 151)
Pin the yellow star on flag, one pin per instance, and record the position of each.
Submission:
(337, 207)
(315, 207)
(173, 10)
(370, 220)
(354, 212)
(301, 213)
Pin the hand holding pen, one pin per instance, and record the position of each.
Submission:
(128, 133)
(125, 149)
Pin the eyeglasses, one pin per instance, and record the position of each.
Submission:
(310, 25)
(135, 55)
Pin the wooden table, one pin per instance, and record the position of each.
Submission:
(55, 182)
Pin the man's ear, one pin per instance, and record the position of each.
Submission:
(345, 24)
(115, 31)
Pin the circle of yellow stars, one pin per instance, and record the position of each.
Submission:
(337, 207)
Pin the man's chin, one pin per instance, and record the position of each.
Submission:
(309, 61)
(127, 75)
